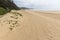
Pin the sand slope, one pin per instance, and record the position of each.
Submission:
(31, 26)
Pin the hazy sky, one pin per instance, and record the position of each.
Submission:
(39, 4)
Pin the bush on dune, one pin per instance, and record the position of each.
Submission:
(3, 11)
(6, 6)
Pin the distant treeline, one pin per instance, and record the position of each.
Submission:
(25, 8)
(8, 4)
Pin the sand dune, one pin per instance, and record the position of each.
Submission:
(31, 26)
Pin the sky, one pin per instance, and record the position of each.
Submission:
(39, 4)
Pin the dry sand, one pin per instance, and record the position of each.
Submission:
(31, 26)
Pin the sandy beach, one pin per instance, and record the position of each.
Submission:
(31, 25)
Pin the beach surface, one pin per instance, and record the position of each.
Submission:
(30, 25)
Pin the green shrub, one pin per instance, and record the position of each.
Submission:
(3, 11)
